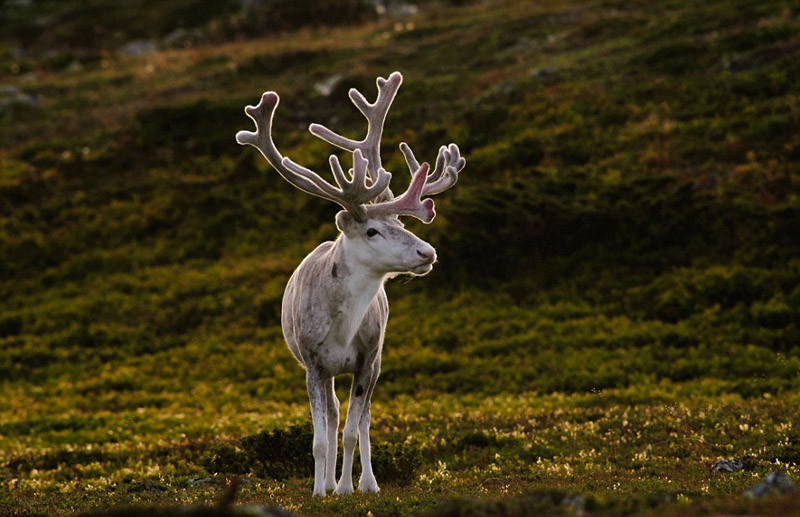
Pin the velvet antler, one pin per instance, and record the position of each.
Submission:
(369, 182)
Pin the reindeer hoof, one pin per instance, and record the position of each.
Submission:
(343, 490)
(368, 486)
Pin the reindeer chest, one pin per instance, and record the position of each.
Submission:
(336, 359)
(355, 333)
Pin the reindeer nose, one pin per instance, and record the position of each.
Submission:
(428, 255)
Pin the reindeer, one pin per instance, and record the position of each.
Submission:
(335, 309)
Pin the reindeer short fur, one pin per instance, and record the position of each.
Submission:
(335, 309)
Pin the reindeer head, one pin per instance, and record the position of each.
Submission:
(369, 222)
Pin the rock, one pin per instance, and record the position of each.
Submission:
(394, 8)
(201, 481)
(11, 96)
(263, 511)
(733, 62)
(727, 466)
(326, 86)
(775, 483)
(147, 486)
(576, 503)
(546, 71)
(523, 45)
(175, 38)
(8, 90)
(182, 38)
(503, 89)
(139, 47)
(244, 5)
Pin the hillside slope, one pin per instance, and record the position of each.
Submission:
(622, 247)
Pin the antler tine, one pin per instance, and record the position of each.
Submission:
(356, 190)
(368, 181)
(350, 195)
(375, 114)
(409, 203)
(449, 163)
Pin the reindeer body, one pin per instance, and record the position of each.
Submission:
(334, 323)
(333, 319)
(335, 309)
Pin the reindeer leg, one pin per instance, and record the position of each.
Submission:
(350, 434)
(367, 483)
(333, 435)
(318, 399)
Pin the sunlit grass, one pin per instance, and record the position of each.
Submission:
(616, 304)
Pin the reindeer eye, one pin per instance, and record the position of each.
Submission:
(372, 232)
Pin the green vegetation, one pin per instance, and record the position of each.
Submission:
(617, 303)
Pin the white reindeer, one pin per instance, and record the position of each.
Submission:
(335, 308)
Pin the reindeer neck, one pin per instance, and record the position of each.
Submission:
(357, 277)
(355, 286)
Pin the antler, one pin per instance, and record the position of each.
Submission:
(409, 203)
(351, 194)
(449, 163)
(375, 113)
(369, 181)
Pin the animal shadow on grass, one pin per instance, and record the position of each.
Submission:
(283, 453)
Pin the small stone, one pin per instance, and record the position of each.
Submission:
(775, 483)
(175, 38)
(522, 46)
(11, 96)
(727, 466)
(182, 38)
(576, 503)
(394, 8)
(326, 86)
(263, 511)
(201, 481)
(546, 71)
(8, 90)
(139, 48)
(147, 486)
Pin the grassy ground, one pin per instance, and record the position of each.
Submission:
(617, 303)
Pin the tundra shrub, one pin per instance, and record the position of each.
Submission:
(281, 453)
(224, 458)
(396, 464)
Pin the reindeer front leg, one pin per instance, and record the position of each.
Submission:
(358, 392)
(333, 438)
(318, 399)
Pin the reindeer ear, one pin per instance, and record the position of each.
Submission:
(346, 222)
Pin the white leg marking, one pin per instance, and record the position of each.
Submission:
(350, 434)
(317, 398)
(333, 435)
(367, 483)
